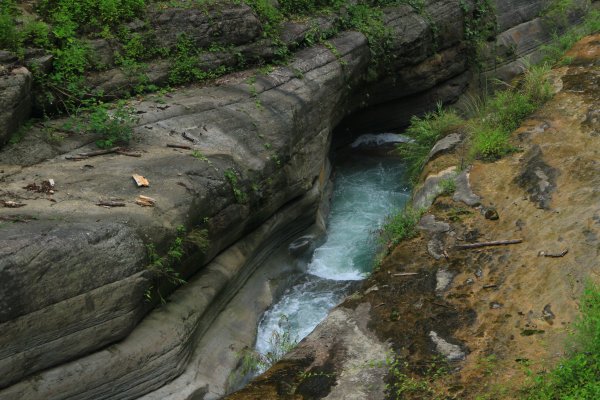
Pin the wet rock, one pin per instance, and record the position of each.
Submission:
(431, 226)
(537, 178)
(444, 145)
(490, 213)
(15, 101)
(463, 191)
(302, 246)
(451, 351)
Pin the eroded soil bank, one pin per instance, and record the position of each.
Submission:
(492, 316)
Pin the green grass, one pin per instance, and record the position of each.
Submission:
(399, 226)
(425, 132)
(578, 376)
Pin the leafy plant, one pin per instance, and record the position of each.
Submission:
(425, 132)
(406, 385)
(231, 176)
(113, 127)
(399, 226)
(448, 186)
(163, 268)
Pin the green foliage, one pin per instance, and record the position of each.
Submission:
(399, 226)
(479, 27)
(507, 108)
(403, 384)
(114, 127)
(231, 176)
(489, 143)
(305, 7)
(89, 15)
(163, 268)
(448, 186)
(503, 113)
(578, 376)
(185, 65)
(9, 36)
(268, 14)
(425, 131)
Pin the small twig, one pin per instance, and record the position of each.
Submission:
(110, 204)
(179, 146)
(128, 153)
(379, 305)
(100, 152)
(76, 158)
(493, 285)
(406, 274)
(187, 136)
(485, 244)
(441, 305)
(553, 255)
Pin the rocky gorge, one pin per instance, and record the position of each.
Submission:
(238, 166)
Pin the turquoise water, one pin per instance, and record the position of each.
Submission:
(366, 189)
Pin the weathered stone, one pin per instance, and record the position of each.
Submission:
(233, 24)
(15, 101)
(431, 226)
(449, 350)
(463, 191)
(425, 195)
(444, 145)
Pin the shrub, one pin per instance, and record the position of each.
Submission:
(91, 14)
(489, 143)
(114, 127)
(535, 84)
(9, 37)
(425, 131)
(507, 109)
(400, 226)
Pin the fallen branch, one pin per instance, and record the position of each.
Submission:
(187, 136)
(110, 204)
(491, 286)
(100, 152)
(485, 244)
(76, 158)
(553, 255)
(11, 204)
(406, 274)
(128, 153)
(16, 218)
(179, 146)
(441, 305)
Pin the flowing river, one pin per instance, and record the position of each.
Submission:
(366, 189)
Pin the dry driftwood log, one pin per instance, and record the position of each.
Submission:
(485, 244)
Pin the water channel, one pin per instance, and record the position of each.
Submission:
(366, 190)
